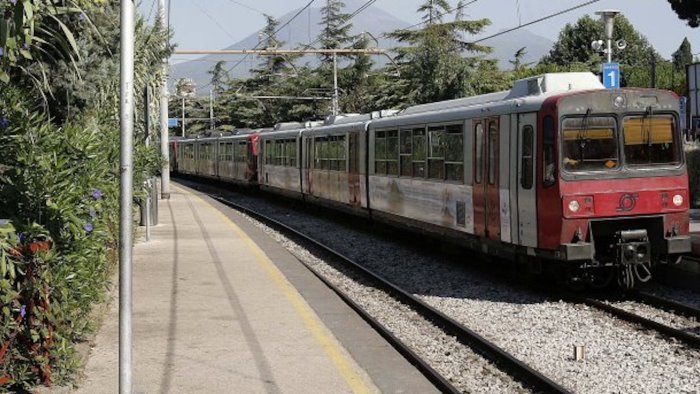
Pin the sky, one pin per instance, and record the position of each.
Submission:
(215, 24)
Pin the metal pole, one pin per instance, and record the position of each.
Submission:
(609, 50)
(335, 84)
(165, 152)
(147, 142)
(183, 116)
(126, 195)
(211, 109)
(653, 71)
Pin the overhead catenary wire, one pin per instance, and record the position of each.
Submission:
(463, 6)
(536, 21)
(262, 39)
(247, 6)
(205, 12)
(352, 15)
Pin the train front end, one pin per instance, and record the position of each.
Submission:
(619, 180)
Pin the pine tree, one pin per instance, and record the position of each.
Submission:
(335, 32)
(683, 56)
(219, 75)
(434, 10)
(433, 62)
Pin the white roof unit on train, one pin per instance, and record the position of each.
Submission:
(355, 118)
(547, 84)
(289, 126)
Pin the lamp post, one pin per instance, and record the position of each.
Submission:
(185, 87)
(608, 17)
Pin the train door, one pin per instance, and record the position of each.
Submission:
(354, 167)
(527, 201)
(487, 219)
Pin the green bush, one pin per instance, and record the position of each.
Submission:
(59, 189)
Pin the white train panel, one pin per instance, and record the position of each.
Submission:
(442, 204)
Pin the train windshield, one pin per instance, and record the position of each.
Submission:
(589, 143)
(650, 140)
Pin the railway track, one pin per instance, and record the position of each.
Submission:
(508, 363)
(673, 307)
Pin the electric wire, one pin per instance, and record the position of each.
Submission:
(248, 7)
(536, 21)
(205, 12)
(261, 40)
(442, 14)
(352, 15)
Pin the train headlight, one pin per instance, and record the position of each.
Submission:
(619, 101)
(574, 206)
(678, 200)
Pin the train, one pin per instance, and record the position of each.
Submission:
(557, 173)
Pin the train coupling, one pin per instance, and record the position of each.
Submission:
(634, 252)
(633, 247)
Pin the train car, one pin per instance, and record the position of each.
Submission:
(279, 169)
(557, 170)
(231, 158)
(206, 153)
(331, 161)
(237, 158)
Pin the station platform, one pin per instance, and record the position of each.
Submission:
(220, 307)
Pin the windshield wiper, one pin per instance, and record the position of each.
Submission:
(582, 133)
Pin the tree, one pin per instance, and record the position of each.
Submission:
(687, 10)
(517, 61)
(434, 10)
(433, 62)
(574, 44)
(335, 32)
(219, 75)
(683, 56)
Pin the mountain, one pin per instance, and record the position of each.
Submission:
(505, 46)
(305, 28)
(302, 30)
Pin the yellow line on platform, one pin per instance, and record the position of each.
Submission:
(311, 321)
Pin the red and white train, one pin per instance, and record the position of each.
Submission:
(557, 171)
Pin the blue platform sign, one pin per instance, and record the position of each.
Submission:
(173, 122)
(611, 75)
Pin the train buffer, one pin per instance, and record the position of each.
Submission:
(220, 307)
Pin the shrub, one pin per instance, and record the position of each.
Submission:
(59, 193)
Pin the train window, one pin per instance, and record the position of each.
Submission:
(292, 153)
(650, 139)
(548, 160)
(309, 153)
(436, 156)
(419, 146)
(380, 152)
(492, 152)
(479, 154)
(589, 143)
(268, 152)
(454, 153)
(333, 153)
(342, 161)
(526, 159)
(405, 152)
(241, 152)
(392, 152)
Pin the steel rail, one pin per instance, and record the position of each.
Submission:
(665, 304)
(506, 362)
(687, 338)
